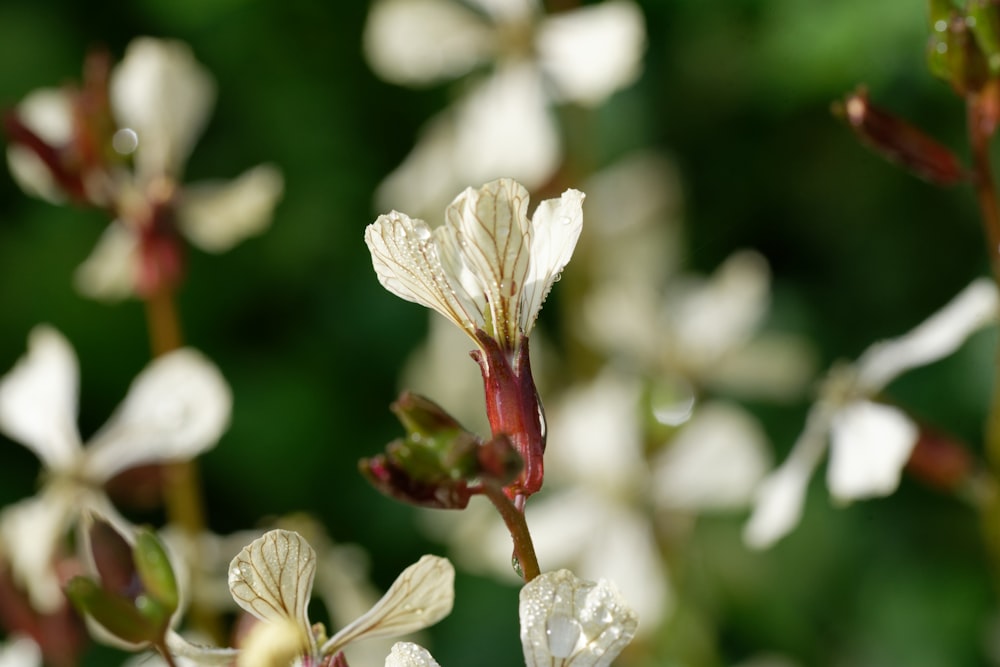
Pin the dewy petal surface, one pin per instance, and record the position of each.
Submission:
(217, 216)
(162, 93)
(272, 577)
(422, 595)
(177, 408)
(869, 445)
(419, 42)
(569, 622)
(38, 399)
(407, 260)
(406, 654)
(592, 51)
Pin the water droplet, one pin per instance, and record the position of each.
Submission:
(125, 141)
(566, 220)
(516, 564)
(941, 47)
(422, 232)
(940, 25)
(563, 632)
(672, 401)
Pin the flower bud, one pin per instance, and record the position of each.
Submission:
(115, 613)
(155, 571)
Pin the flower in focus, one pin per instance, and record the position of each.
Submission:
(488, 269)
(502, 125)
(869, 441)
(272, 580)
(565, 621)
(119, 143)
(175, 409)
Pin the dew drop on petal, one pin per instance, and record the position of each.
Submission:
(422, 232)
(562, 632)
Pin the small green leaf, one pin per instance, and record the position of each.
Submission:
(117, 614)
(155, 570)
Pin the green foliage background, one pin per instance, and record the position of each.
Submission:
(738, 93)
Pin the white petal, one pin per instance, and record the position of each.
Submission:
(162, 93)
(110, 273)
(48, 112)
(591, 52)
(274, 643)
(217, 216)
(176, 408)
(714, 463)
(405, 654)
(569, 621)
(711, 318)
(508, 11)
(416, 42)
(406, 256)
(487, 239)
(272, 577)
(194, 654)
(20, 652)
(778, 505)
(422, 595)
(501, 128)
(937, 337)
(869, 445)
(555, 228)
(30, 533)
(38, 399)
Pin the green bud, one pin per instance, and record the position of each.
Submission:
(155, 571)
(117, 614)
(955, 53)
(984, 19)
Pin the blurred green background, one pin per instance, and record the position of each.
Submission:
(738, 93)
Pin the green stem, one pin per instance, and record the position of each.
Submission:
(981, 122)
(524, 548)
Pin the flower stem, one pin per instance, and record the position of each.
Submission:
(524, 548)
(182, 490)
(981, 109)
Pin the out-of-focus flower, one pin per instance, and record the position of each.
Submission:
(565, 621)
(487, 269)
(175, 409)
(272, 579)
(869, 441)
(20, 652)
(120, 143)
(503, 125)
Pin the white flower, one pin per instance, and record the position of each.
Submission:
(565, 622)
(488, 267)
(20, 652)
(272, 579)
(175, 409)
(870, 442)
(503, 124)
(161, 97)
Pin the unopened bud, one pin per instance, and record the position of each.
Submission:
(115, 613)
(155, 571)
(900, 142)
(940, 461)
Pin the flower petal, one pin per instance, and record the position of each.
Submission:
(555, 228)
(272, 577)
(778, 505)
(217, 216)
(162, 93)
(407, 260)
(406, 654)
(30, 531)
(869, 445)
(937, 337)
(176, 408)
(20, 651)
(38, 399)
(422, 595)
(593, 51)
(569, 621)
(111, 272)
(418, 42)
(48, 113)
(487, 237)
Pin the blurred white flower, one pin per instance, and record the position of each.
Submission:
(565, 621)
(20, 652)
(160, 97)
(870, 442)
(503, 125)
(175, 409)
(272, 579)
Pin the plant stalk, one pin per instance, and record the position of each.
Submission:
(524, 548)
